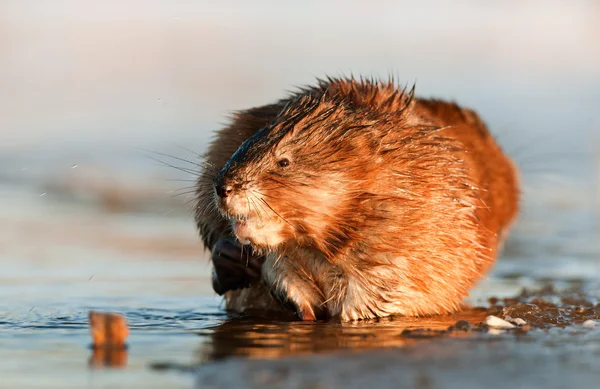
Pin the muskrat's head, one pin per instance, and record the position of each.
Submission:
(298, 179)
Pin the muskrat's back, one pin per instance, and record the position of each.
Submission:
(409, 237)
(493, 169)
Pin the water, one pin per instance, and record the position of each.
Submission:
(66, 253)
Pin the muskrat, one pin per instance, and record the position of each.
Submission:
(354, 199)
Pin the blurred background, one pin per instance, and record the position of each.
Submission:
(86, 87)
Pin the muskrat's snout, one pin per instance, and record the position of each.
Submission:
(232, 196)
(225, 184)
(253, 220)
(223, 190)
(223, 187)
(228, 195)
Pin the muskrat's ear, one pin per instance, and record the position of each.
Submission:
(301, 112)
(287, 136)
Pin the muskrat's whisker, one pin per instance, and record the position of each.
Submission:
(205, 166)
(259, 204)
(180, 180)
(259, 208)
(262, 208)
(184, 193)
(255, 202)
(193, 204)
(173, 157)
(276, 184)
(270, 188)
(187, 187)
(275, 212)
(183, 169)
(249, 203)
(258, 213)
(263, 194)
(274, 187)
(198, 155)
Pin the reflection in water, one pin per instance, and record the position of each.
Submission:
(108, 357)
(266, 338)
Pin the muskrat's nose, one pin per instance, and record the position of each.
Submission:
(224, 190)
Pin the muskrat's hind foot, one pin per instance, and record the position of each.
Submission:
(235, 267)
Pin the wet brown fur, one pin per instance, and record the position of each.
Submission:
(391, 204)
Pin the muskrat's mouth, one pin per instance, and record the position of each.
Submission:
(239, 218)
(256, 229)
(241, 229)
(243, 218)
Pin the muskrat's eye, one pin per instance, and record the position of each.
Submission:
(283, 162)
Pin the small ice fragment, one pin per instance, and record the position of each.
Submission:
(91, 278)
(74, 166)
(516, 321)
(43, 194)
(496, 322)
(590, 324)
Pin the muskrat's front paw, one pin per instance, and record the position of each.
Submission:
(311, 313)
(304, 308)
(235, 267)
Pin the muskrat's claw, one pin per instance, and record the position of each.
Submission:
(235, 267)
(307, 312)
(303, 309)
